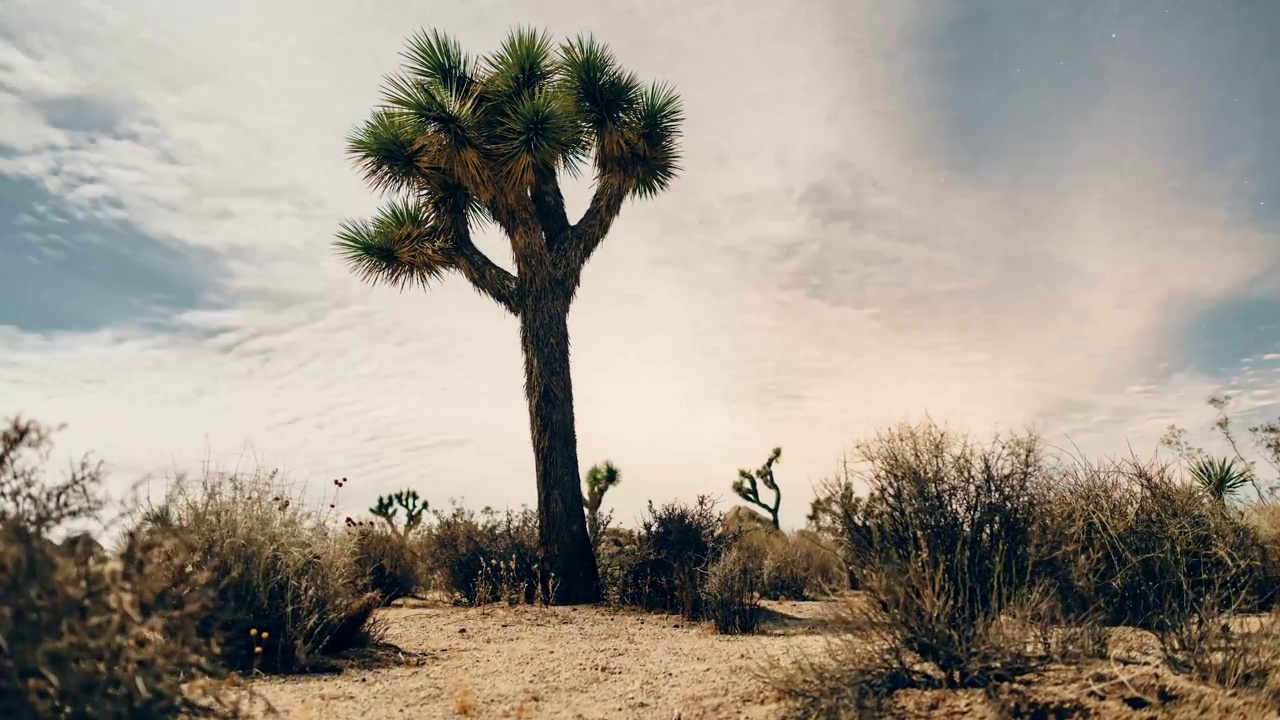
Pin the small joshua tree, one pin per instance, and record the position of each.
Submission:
(389, 506)
(599, 479)
(747, 486)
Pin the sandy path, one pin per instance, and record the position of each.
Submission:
(583, 663)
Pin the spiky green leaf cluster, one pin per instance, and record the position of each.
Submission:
(460, 139)
(600, 478)
(1221, 478)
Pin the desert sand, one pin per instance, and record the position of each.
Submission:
(561, 663)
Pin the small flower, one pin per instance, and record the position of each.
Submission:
(253, 632)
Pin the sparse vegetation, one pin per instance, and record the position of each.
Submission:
(979, 566)
(86, 633)
(731, 591)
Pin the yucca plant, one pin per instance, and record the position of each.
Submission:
(600, 478)
(1221, 478)
(460, 141)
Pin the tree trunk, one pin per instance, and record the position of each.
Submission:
(568, 571)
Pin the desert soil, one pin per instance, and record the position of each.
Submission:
(592, 663)
(570, 663)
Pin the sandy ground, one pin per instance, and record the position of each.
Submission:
(574, 663)
(591, 663)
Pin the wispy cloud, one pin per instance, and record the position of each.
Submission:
(996, 213)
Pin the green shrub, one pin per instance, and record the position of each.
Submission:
(85, 633)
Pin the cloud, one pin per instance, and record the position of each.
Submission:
(889, 210)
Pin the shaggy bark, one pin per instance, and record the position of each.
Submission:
(568, 567)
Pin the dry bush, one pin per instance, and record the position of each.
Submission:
(1132, 543)
(944, 546)
(731, 591)
(483, 559)
(391, 562)
(1264, 519)
(952, 527)
(674, 548)
(84, 633)
(795, 566)
(983, 563)
(289, 588)
(837, 517)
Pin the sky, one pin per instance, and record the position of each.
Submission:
(996, 214)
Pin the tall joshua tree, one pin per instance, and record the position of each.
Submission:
(459, 141)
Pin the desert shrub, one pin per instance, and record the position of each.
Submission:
(289, 587)
(950, 531)
(836, 515)
(731, 591)
(487, 558)
(390, 562)
(675, 546)
(85, 633)
(1264, 519)
(793, 566)
(1238, 653)
(1132, 543)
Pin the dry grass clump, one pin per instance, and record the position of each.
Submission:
(288, 586)
(392, 563)
(731, 592)
(85, 633)
(794, 566)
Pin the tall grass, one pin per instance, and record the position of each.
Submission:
(289, 586)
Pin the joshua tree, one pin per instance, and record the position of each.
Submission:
(388, 506)
(459, 141)
(747, 486)
(600, 478)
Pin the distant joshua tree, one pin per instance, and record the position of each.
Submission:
(460, 141)
(600, 478)
(747, 486)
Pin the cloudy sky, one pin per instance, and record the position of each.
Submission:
(997, 213)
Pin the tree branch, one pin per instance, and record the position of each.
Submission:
(484, 274)
(548, 202)
(590, 231)
(518, 220)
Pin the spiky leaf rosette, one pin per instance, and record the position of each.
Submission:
(461, 140)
